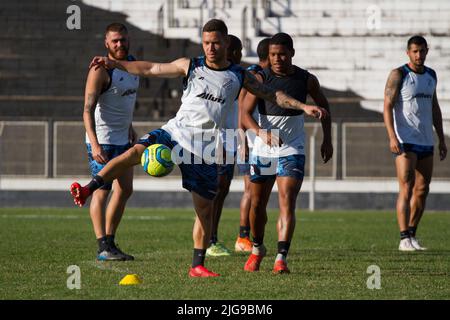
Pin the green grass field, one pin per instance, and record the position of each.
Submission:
(329, 257)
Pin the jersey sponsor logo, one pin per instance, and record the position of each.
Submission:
(422, 96)
(210, 97)
(128, 92)
(228, 84)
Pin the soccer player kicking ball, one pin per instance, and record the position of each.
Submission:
(280, 158)
(411, 108)
(211, 85)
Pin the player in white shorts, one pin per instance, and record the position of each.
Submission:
(411, 109)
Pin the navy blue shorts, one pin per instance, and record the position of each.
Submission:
(422, 152)
(200, 178)
(244, 169)
(263, 169)
(226, 170)
(112, 151)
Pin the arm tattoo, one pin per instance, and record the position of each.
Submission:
(265, 92)
(90, 102)
(258, 89)
(393, 85)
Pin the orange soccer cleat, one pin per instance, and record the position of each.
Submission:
(280, 267)
(79, 194)
(243, 245)
(253, 262)
(201, 272)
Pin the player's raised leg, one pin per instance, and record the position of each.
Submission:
(405, 164)
(423, 173)
(113, 169)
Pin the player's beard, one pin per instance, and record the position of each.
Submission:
(120, 53)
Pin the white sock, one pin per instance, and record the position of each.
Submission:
(280, 257)
(259, 251)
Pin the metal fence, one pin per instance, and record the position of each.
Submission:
(57, 149)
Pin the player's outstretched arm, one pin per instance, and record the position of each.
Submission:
(390, 97)
(280, 98)
(174, 69)
(316, 93)
(437, 123)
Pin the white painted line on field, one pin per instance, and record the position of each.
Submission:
(72, 217)
(237, 185)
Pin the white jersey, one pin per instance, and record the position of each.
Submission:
(231, 122)
(208, 96)
(413, 115)
(289, 123)
(115, 106)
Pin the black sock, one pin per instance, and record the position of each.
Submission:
(404, 234)
(283, 247)
(102, 243)
(244, 231)
(412, 231)
(257, 242)
(199, 257)
(110, 238)
(213, 239)
(96, 183)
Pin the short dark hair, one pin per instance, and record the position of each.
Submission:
(417, 40)
(282, 39)
(263, 49)
(216, 25)
(235, 43)
(116, 27)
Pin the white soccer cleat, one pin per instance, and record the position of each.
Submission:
(415, 243)
(406, 245)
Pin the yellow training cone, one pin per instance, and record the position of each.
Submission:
(130, 279)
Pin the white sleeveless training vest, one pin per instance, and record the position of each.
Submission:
(115, 106)
(413, 111)
(208, 97)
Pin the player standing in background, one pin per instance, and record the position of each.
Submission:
(225, 171)
(211, 84)
(109, 102)
(243, 242)
(411, 108)
(286, 151)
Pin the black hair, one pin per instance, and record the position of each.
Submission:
(235, 43)
(417, 40)
(282, 39)
(263, 49)
(216, 25)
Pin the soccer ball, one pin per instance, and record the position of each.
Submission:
(157, 161)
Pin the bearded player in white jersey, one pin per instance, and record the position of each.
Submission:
(411, 109)
(211, 84)
(110, 98)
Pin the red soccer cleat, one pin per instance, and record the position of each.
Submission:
(201, 272)
(253, 263)
(79, 194)
(280, 267)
